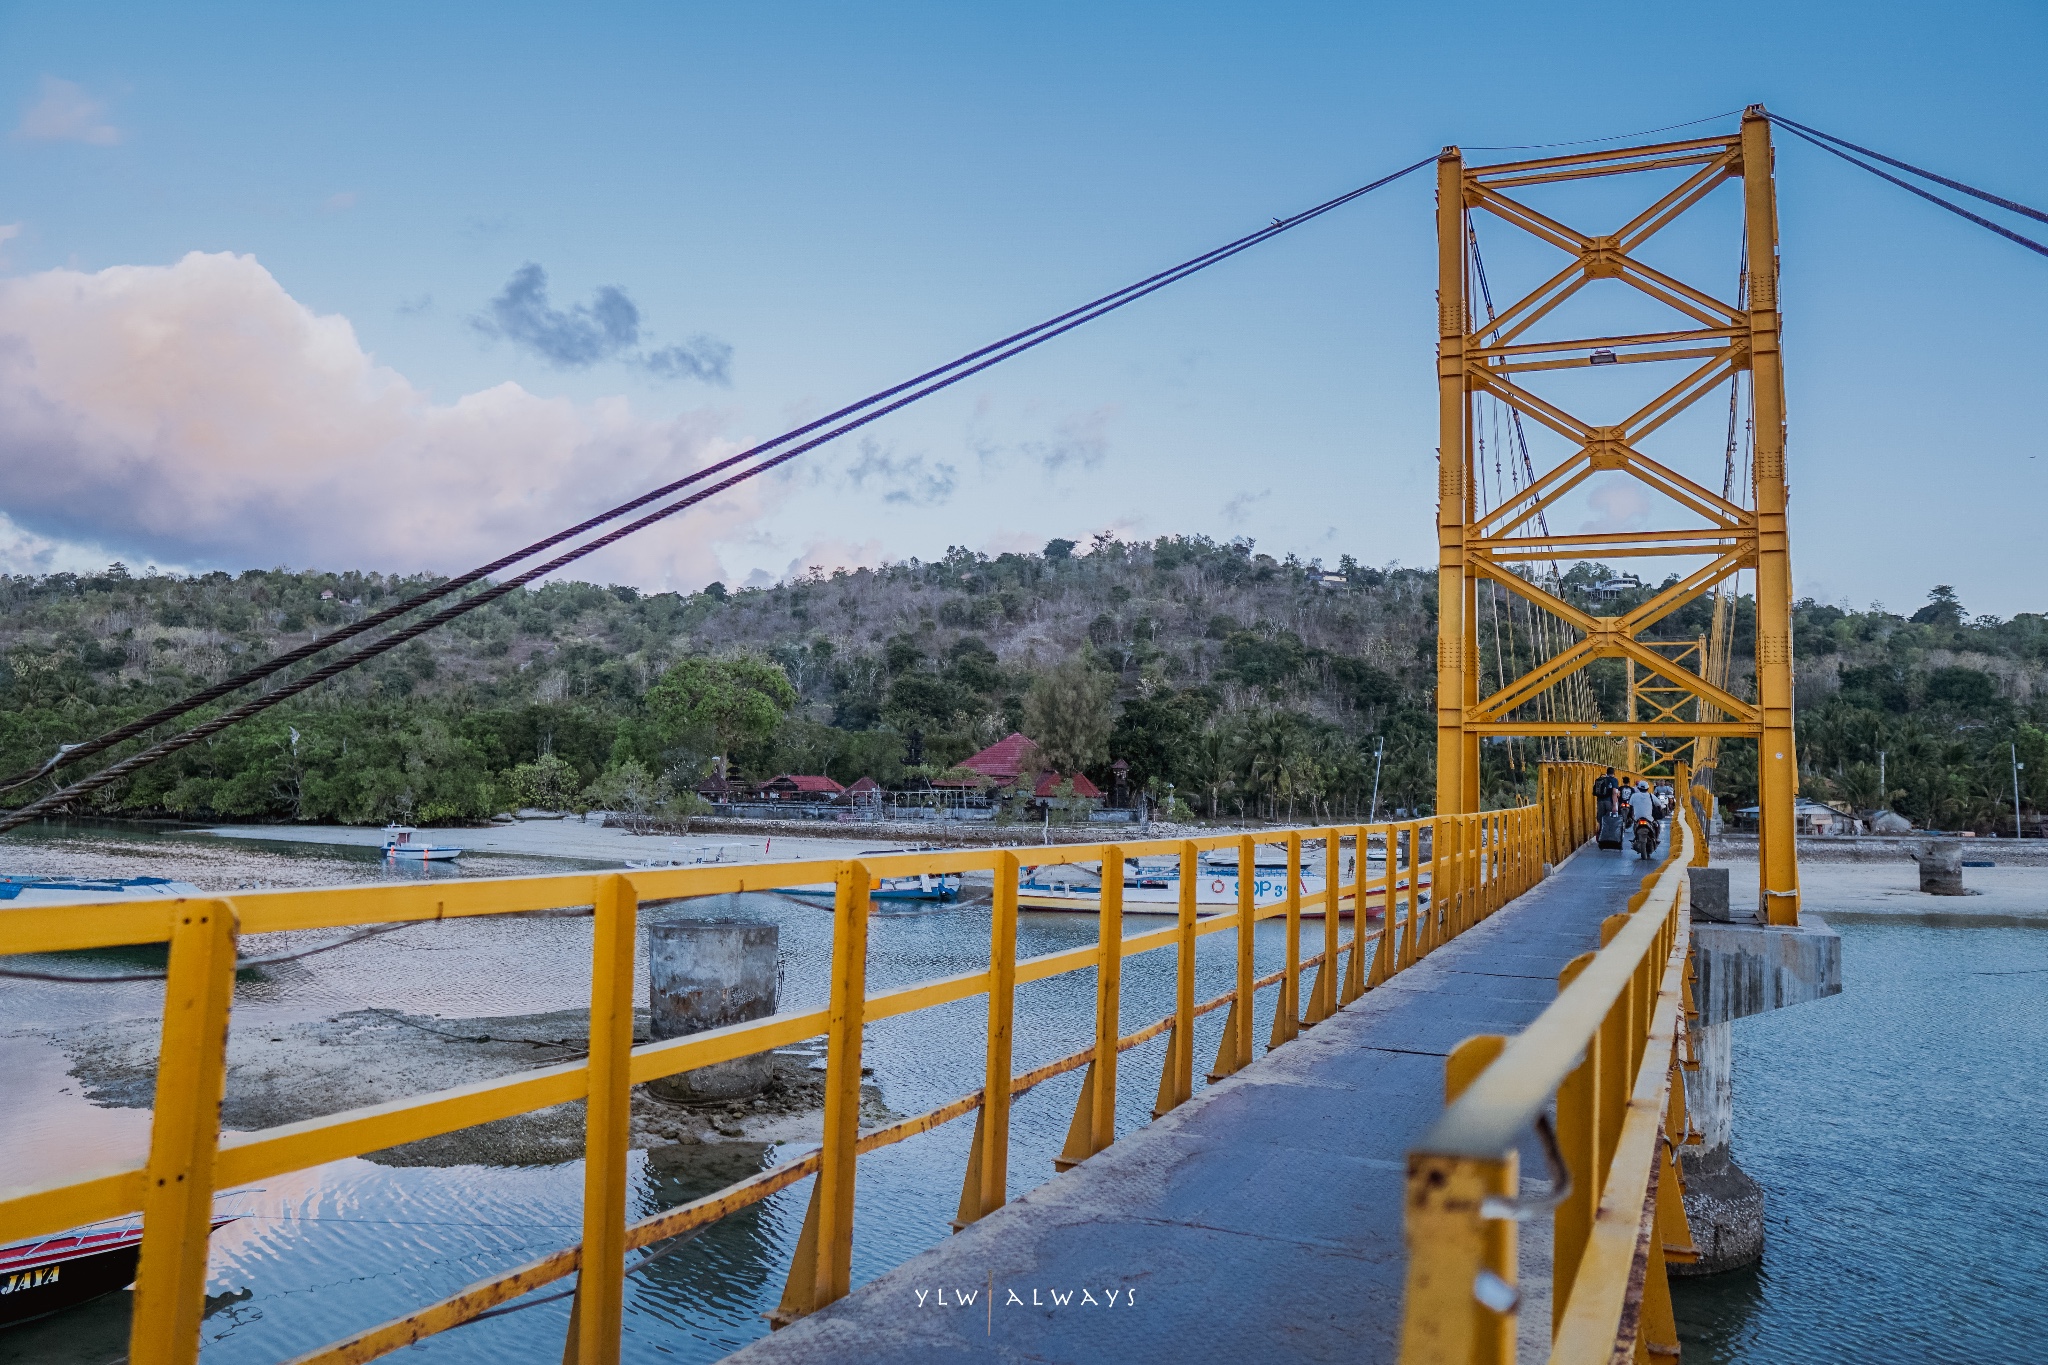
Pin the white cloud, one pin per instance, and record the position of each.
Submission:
(8, 232)
(198, 414)
(1619, 504)
(339, 202)
(65, 113)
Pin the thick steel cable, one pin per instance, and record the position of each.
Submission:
(1075, 318)
(74, 753)
(1985, 195)
(1981, 221)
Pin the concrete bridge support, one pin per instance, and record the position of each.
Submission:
(1742, 967)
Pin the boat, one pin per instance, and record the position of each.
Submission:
(401, 841)
(54, 1273)
(23, 890)
(1155, 889)
(921, 886)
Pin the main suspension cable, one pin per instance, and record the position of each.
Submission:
(1985, 195)
(943, 377)
(1953, 207)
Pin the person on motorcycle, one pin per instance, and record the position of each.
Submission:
(1642, 806)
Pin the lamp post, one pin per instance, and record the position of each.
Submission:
(2018, 830)
(1379, 756)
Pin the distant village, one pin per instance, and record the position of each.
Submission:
(1006, 779)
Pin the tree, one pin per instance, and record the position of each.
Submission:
(731, 701)
(1068, 714)
(546, 784)
(1942, 608)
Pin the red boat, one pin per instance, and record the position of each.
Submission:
(39, 1278)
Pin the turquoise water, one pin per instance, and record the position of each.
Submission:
(1898, 1132)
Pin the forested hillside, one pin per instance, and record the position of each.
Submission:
(1249, 685)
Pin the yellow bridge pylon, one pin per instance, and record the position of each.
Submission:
(1718, 340)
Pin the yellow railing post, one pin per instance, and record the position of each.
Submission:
(1287, 1009)
(994, 1172)
(847, 1013)
(600, 1285)
(1235, 1051)
(184, 1136)
(1494, 1335)
(1578, 1138)
(1417, 869)
(1108, 998)
(1177, 1075)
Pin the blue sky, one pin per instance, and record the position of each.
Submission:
(799, 204)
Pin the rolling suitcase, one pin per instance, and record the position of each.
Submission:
(1611, 828)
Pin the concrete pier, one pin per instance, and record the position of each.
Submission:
(704, 975)
(1740, 968)
(1941, 867)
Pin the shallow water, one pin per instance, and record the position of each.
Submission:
(1897, 1132)
(323, 1253)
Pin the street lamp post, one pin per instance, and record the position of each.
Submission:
(2019, 830)
(1379, 755)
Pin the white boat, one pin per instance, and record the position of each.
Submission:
(1155, 890)
(401, 841)
(921, 886)
(23, 891)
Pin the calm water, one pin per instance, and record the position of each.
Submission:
(328, 1252)
(1897, 1130)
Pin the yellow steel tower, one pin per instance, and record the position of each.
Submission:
(1719, 340)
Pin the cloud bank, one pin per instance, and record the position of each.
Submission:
(606, 328)
(196, 414)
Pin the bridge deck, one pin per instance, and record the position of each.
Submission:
(1260, 1221)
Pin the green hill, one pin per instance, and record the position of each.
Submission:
(1252, 686)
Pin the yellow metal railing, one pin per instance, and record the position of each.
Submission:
(1610, 1049)
(1440, 876)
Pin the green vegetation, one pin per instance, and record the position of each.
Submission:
(1248, 685)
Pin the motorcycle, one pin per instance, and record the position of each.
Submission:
(1646, 837)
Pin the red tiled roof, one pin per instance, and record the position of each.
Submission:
(810, 784)
(1082, 786)
(1003, 759)
(866, 784)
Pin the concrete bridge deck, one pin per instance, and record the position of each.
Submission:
(1260, 1221)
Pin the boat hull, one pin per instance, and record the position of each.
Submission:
(47, 1276)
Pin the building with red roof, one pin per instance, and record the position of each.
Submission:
(1049, 786)
(1005, 760)
(1002, 760)
(798, 787)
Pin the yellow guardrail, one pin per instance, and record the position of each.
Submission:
(1440, 876)
(1610, 1049)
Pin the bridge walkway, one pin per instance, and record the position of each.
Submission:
(1260, 1221)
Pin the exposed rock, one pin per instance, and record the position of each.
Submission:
(285, 1073)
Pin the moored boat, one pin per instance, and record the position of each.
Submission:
(921, 886)
(1156, 889)
(403, 841)
(54, 1273)
(22, 890)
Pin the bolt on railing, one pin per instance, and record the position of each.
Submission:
(1439, 876)
(1610, 1050)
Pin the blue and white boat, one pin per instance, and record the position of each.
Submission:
(403, 841)
(922, 886)
(20, 890)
